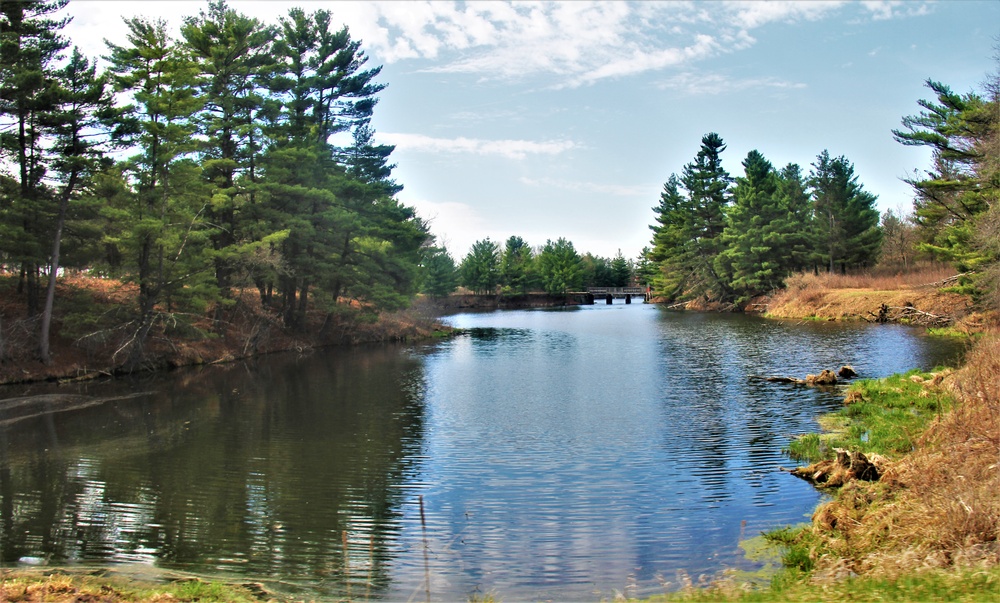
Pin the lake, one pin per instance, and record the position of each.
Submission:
(572, 453)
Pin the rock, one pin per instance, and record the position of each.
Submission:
(847, 372)
(826, 377)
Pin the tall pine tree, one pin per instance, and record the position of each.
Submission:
(846, 220)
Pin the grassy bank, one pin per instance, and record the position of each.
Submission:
(928, 529)
(36, 587)
(920, 297)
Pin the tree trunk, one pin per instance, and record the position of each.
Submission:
(50, 294)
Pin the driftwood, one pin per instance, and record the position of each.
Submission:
(847, 466)
(824, 378)
(946, 281)
(910, 314)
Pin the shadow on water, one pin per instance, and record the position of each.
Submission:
(544, 454)
(254, 469)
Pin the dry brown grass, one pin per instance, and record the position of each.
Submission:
(939, 507)
(879, 279)
(860, 296)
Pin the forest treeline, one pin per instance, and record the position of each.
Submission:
(198, 166)
(518, 268)
(731, 239)
(728, 239)
(239, 157)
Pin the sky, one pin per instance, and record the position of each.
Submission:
(564, 119)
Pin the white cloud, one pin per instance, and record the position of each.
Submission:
(511, 149)
(700, 84)
(750, 15)
(578, 42)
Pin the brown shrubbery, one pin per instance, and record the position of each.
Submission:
(937, 507)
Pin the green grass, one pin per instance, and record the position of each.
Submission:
(35, 586)
(884, 418)
(968, 586)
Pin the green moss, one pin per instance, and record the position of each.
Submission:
(884, 418)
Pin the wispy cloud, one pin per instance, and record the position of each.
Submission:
(701, 84)
(512, 149)
(582, 43)
(570, 43)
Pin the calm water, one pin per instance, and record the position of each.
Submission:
(556, 454)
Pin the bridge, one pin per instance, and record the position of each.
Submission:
(610, 293)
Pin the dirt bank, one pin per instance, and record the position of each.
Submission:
(87, 343)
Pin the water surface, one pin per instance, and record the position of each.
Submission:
(547, 454)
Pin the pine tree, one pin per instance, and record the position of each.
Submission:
(232, 52)
(687, 237)
(559, 267)
(440, 276)
(345, 235)
(30, 47)
(621, 271)
(671, 235)
(753, 239)
(846, 220)
(516, 266)
(953, 199)
(480, 269)
(84, 108)
(797, 221)
(157, 206)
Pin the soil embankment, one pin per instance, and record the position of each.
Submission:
(90, 344)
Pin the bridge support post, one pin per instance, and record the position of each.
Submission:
(609, 299)
(628, 298)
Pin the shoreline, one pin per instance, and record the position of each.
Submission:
(255, 331)
(810, 543)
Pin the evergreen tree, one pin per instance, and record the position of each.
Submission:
(559, 267)
(157, 205)
(621, 271)
(954, 198)
(707, 185)
(369, 162)
(765, 236)
(480, 269)
(846, 219)
(516, 266)
(753, 239)
(798, 226)
(687, 236)
(596, 271)
(232, 52)
(30, 47)
(645, 269)
(440, 273)
(671, 234)
(347, 236)
(84, 107)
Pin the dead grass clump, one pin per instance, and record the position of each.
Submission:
(940, 505)
(865, 297)
(879, 279)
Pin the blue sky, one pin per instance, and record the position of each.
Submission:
(564, 119)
